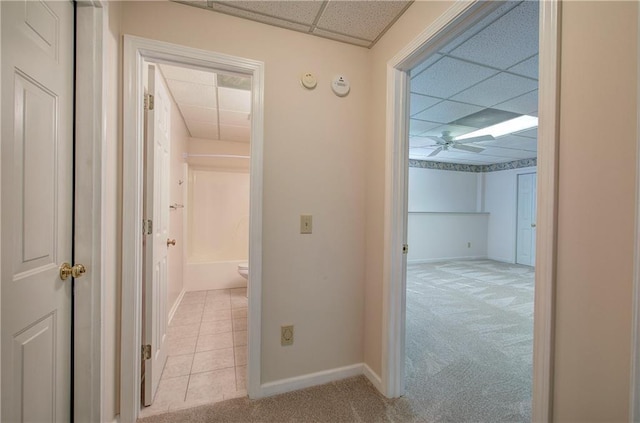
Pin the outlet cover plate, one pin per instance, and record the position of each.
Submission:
(286, 335)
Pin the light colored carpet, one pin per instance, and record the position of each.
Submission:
(469, 337)
(469, 343)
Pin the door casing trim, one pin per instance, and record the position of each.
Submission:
(137, 49)
(447, 26)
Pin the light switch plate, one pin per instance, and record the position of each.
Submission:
(306, 224)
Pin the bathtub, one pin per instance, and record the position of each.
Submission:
(200, 276)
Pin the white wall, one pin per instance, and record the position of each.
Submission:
(500, 201)
(443, 216)
(175, 253)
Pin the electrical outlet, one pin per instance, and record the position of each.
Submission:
(306, 224)
(468, 245)
(286, 335)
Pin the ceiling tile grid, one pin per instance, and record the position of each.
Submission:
(494, 64)
(361, 23)
(208, 110)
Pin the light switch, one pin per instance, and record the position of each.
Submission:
(306, 224)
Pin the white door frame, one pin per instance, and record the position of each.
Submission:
(136, 50)
(89, 231)
(446, 27)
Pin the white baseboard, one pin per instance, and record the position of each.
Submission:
(435, 260)
(306, 381)
(503, 260)
(175, 305)
(373, 377)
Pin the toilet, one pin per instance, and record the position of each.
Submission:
(243, 270)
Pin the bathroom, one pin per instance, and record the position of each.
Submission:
(207, 238)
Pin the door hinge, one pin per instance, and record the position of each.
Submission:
(405, 248)
(147, 227)
(148, 102)
(146, 352)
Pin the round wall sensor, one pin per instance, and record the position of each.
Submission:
(340, 86)
(309, 81)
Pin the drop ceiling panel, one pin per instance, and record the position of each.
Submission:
(304, 12)
(420, 142)
(417, 127)
(447, 111)
(203, 130)
(528, 67)
(360, 19)
(509, 40)
(235, 133)
(419, 102)
(234, 100)
(512, 141)
(496, 89)
(448, 77)
(509, 153)
(187, 75)
(235, 118)
(529, 133)
(197, 113)
(455, 130)
(269, 20)
(525, 104)
(193, 94)
(425, 64)
(480, 25)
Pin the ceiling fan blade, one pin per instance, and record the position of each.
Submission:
(468, 148)
(476, 139)
(435, 152)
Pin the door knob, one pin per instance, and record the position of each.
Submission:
(67, 270)
(171, 242)
(533, 225)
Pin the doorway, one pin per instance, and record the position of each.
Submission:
(136, 52)
(454, 21)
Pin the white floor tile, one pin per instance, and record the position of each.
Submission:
(213, 360)
(214, 342)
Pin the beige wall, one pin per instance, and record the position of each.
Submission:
(596, 210)
(175, 254)
(112, 217)
(314, 162)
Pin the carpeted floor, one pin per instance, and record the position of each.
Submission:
(469, 343)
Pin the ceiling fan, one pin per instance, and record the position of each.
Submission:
(446, 140)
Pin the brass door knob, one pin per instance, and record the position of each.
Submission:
(67, 270)
(171, 242)
(533, 225)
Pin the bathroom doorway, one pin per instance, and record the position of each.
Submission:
(199, 329)
(197, 138)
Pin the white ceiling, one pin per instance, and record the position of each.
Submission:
(494, 64)
(211, 111)
(360, 22)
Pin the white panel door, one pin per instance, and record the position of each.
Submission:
(157, 141)
(37, 171)
(526, 220)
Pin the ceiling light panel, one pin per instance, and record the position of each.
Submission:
(511, 126)
(528, 67)
(448, 77)
(496, 89)
(447, 111)
(187, 75)
(417, 127)
(526, 104)
(303, 12)
(419, 102)
(192, 94)
(234, 100)
(360, 19)
(509, 40)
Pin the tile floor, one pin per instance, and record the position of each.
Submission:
(207, 351)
